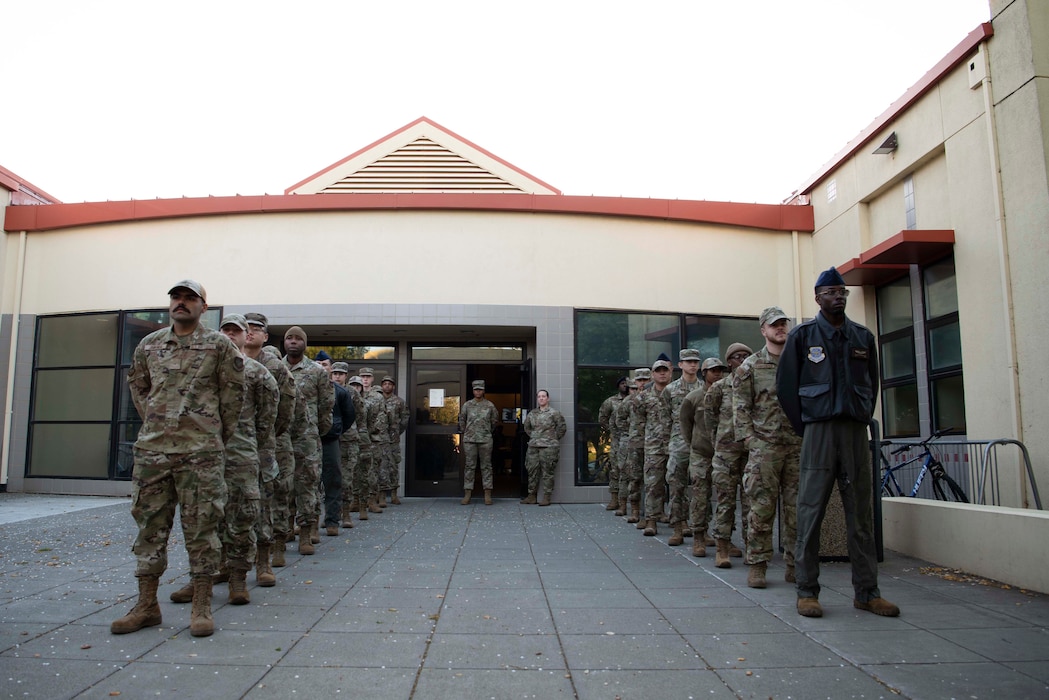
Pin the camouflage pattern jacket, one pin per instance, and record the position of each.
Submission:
(477, 420)
(717, 407)
(314, 387)
(270, 359)
(655, 414)
(396, 416)
(257, 417)
(692, 422)
(378, 420)
(545, 427)
(188, 391)
(353, 432)
(757, 411)
(619, 421)
(674, 395)
(636, 429)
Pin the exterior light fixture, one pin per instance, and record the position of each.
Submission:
(888, 146)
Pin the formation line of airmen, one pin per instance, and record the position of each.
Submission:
(252, 449)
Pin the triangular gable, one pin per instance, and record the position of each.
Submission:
(422, 157)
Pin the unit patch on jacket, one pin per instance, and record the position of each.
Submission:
(816, 354)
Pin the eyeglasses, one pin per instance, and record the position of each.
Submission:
(834, 293)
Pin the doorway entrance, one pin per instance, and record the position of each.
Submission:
(435, 464)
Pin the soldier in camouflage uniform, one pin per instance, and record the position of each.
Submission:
(379, 437)
(654, 424)
(187, 384)
(545, 427)
(477, 422)
(729, 460)
(365, 476)
(354, 481)
(697, 434)
(605, 416)
(635, 452)
(397, 415)
(313, 385)
(276, 461)
(284, 486)
(678, 463)
(773, 449)
(620, 426)
(241, 471)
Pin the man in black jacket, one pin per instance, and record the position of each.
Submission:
(827, 382)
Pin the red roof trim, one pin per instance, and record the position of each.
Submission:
(775, 217)
(910, 247)
(17, 184)
(857, 273)
(404, 128)
(958, 54)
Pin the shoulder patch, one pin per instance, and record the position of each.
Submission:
(238, 363)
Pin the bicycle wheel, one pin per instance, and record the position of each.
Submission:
(953, 492)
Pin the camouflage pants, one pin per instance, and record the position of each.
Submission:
(385, 466)
(395, 464)
(307, 479)
(366, 465)
(193, 483)
(242, 512)
(621, 466)
(678, 479)
(771, 474)
(613, 466)
(699, 492)
(655, 484)
(541, 464)
(264, 523)
(477, 452)
(727, 477)
(354, 481)
(635, 474)
(283, 488)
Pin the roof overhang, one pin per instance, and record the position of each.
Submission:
(892, 258)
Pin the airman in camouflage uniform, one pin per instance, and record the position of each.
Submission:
(678, 463)
(635, 452)
(354, 481)
(378, 436)
(318, 396)
(729, 460)
(620, 428)
(545, 427)
(605, 417)
(773, 447)
(478, 419)
(276, 458)
(284, 486)
(654, 416)
(697, 433)
(397, 416)
(187, 384)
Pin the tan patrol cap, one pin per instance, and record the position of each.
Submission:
(234, 320)
(340, 367)
(713, 363)
(366, 372)
(478, 384)
(388, 378)
(193, 286)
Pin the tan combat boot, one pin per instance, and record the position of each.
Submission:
(488, 497)
(466, 498)
(381, 498)
(687, 531)
(394, 498)
(238, 587)
(734, 551)
(756, 575)
(810, 607)
(614, 503)
(642, 523)
(721, 556)
(529, 500)
(223, 575)
(635, 512)
(347, 518)
(362, 510)
(545, 500)
(263, 571)
(678, 538)
(373, 504)
(278, 551)
(315, 533)
(623, 507)
(305, 544)
(146, 612)
(184, 594)
(651, 528)
(331, 530)
(200, 622)
(698, 548)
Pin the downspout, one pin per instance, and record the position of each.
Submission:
(796, 249)
(1004, 269)
(9, 400)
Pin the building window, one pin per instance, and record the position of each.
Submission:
(82, 420)
(898, 367)
(832, 191)
(611, 344)
(943, 338)
(908, 202)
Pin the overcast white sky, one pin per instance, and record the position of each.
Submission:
(729, 100)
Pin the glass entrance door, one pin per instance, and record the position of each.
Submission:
(435, 461)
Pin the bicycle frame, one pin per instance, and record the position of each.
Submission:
(890, 472)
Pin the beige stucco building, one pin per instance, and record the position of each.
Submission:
(476, 269)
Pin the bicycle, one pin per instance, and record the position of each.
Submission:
(943, 486)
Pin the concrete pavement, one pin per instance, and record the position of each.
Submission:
(436, 600)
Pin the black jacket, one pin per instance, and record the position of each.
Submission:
(342, 414)
(827, 373)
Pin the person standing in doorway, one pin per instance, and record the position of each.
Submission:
(828, 380)
(478, 419)
(187, 384)
(610, 430)
(545, 427)
(397, 418)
